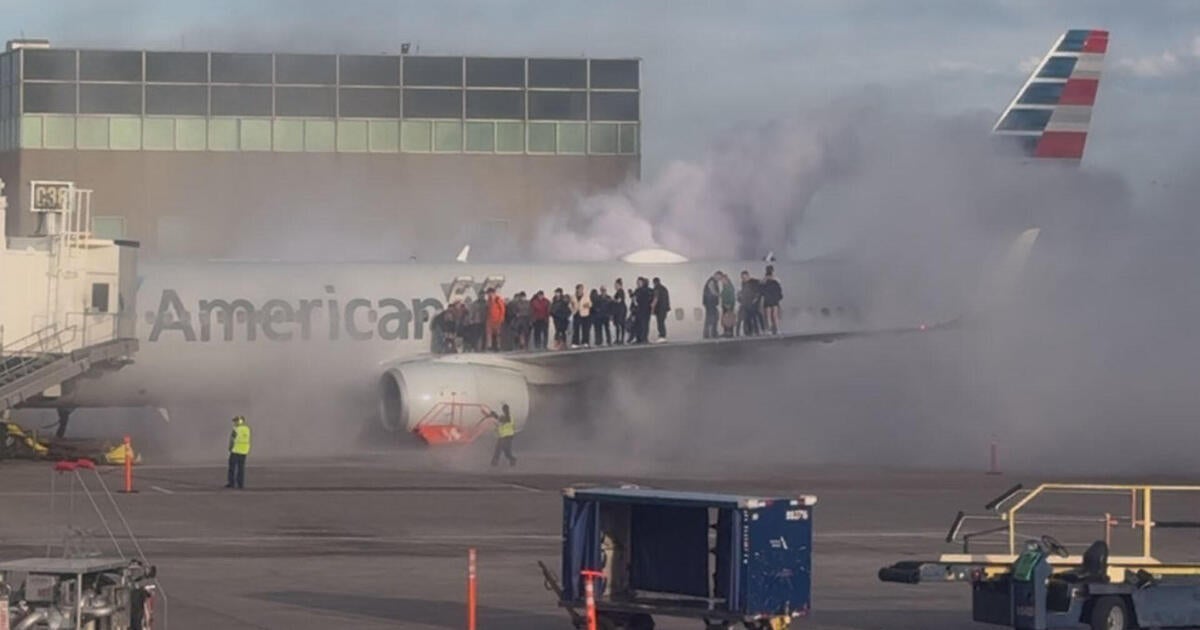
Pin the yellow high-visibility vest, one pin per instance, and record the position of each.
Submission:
(506, 429)
(239, 442)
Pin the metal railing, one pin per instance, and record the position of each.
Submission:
(1011, 509)
(34, 351)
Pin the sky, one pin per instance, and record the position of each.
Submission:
(709, 67)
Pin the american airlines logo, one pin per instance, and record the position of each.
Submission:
(358, 319)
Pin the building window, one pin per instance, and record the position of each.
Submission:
(383, 136)
(50, 98)
(602, 138)
(433, 104)
(241, 101)
(110, 65)
(352, 136)
(447, 136)
(124, 133)
(177, 67)
(572, 138)
(254, 134)
(289, 135)
(369, 103)
(557, 105)
(110, 98)
(543, 137)
(614, 106)
(223, 134)
(508, 104)
(416, 136)
(306, 69)
(191, 134)
(305, 101)
(433, 71)
(177, 100)
(241, 68)
(558, 73)
(628, 144)
(510, 137)
(54, 65)
(319, 135)
(369, 70)
(481, 137)
(495, 72)
(615, 74)
(99, 297)
(158, 134)
(91, 133)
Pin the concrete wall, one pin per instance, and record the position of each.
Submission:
(323, 206)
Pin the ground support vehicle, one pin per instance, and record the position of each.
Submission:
(1039, 584)
(729, 561)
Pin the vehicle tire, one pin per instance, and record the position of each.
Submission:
(641, 621)
(1111, 613)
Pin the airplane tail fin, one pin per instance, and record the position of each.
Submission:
(1049, 116)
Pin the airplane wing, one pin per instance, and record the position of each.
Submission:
(554, 367)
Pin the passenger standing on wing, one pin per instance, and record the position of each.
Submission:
(539, 307)
(729, 317)
(505, 430)
(712, 305)
(601, 311)
(477, 319)
(495, 320)
(437, 332)
(772, 295)
(583, 321)
(618, 312)
(642, 298)
(560, 310)
(661, 305)
(749, 298)
(239, 449)
(522, 321)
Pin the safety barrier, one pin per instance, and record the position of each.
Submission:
(1012, 509)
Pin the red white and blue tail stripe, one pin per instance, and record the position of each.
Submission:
(1051, 113)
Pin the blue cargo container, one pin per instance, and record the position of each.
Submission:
(727, 559)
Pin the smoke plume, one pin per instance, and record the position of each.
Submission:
(1088, 367)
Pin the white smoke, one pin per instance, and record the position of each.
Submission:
(750, 187)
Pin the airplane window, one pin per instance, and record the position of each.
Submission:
(824, 311)
(679, 314)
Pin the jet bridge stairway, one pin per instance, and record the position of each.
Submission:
(44, 360)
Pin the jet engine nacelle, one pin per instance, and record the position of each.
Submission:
(411, 393)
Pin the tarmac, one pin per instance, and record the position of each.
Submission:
(381, 540)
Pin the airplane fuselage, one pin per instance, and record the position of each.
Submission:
(216, 330)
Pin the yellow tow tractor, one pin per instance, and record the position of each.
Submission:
(17, 442)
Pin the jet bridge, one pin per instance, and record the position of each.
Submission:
(68, 298)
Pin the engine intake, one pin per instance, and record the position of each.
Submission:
(411, 394)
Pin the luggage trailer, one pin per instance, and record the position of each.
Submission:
(729, 561)
(1036, 583)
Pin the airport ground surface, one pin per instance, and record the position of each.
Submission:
(379, 541)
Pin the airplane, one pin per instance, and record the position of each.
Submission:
(218, 329)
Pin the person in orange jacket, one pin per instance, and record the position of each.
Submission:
(495, 320)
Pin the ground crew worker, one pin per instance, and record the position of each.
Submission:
(505, 430)
(239, 448)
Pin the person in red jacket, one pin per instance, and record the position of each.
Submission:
(541, 319)
(495, 320)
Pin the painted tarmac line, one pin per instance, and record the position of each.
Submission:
(162, 490)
